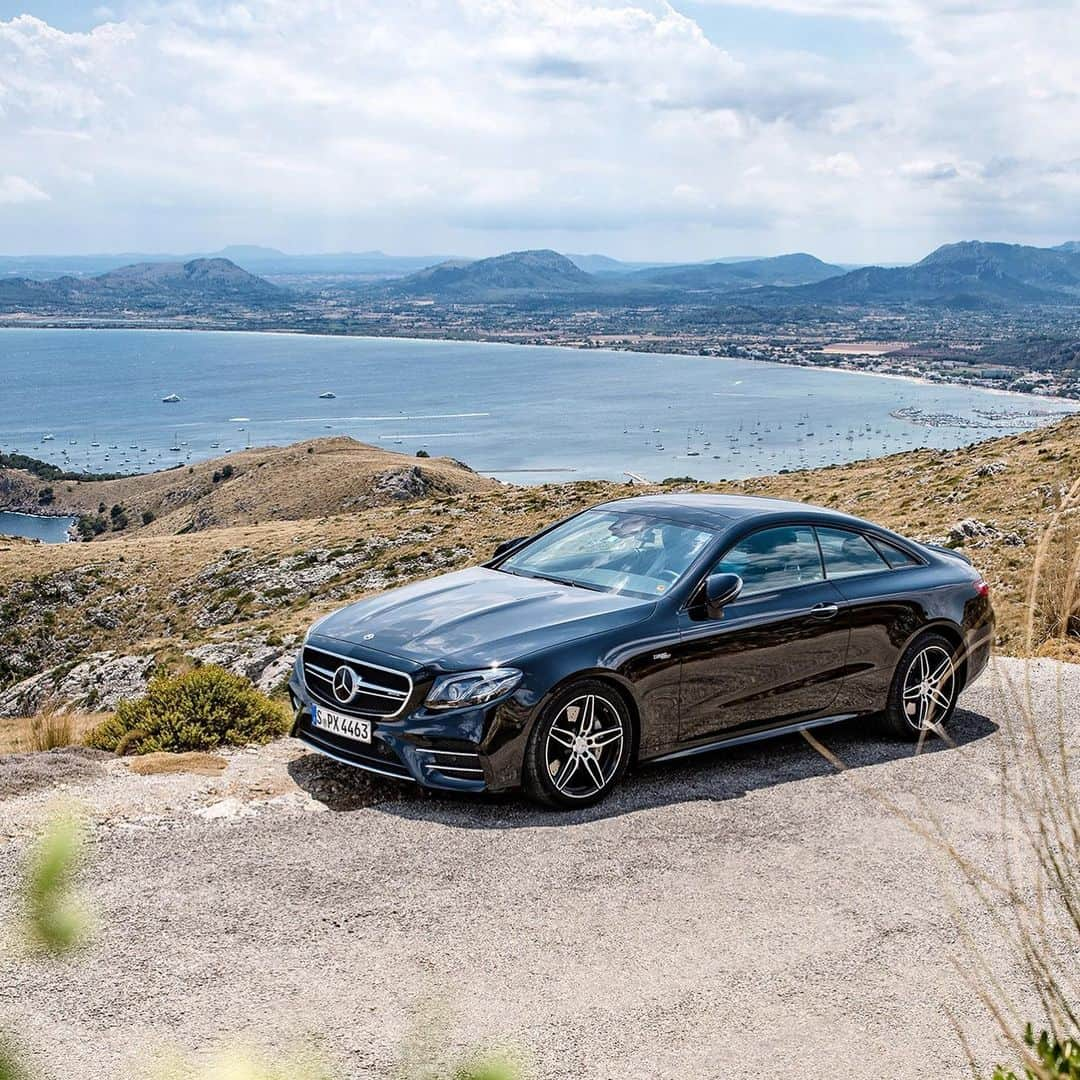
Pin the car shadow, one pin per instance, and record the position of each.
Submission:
(727, 773)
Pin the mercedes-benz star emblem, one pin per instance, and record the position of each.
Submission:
(345, 684)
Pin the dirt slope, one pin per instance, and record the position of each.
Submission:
(304, 480)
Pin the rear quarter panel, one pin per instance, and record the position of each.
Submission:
(886, 611)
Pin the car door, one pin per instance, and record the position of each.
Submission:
(875, 578)
(778, 652)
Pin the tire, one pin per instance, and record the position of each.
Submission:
(924, 689)
(580, 747)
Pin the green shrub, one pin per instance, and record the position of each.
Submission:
(199, 710)
(148, 516)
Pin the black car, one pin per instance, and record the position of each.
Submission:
(642, 630)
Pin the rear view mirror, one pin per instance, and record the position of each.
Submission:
(509, 545)
(721, 589)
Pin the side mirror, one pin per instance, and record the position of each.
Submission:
(720, 589)
(509, 545)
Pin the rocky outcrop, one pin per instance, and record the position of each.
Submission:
(95, 684)
(265, 665)
(102, 680)
(974, 533)
(402, 484)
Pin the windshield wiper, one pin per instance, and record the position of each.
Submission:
(572, 584)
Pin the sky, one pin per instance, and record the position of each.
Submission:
(859, 130)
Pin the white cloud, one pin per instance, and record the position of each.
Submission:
(450, 125)
(16, 189)
(841, 164)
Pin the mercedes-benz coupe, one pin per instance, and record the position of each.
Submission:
(643, 629)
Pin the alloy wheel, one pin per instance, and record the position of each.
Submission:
(584, 747)
(929, 687)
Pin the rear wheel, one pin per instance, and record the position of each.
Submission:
(580, 747)
(924, 689)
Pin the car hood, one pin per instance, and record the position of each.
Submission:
(477, 617)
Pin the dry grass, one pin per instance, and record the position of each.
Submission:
(159, 764)
(303, 480)
(48, 729)
(1055, 603)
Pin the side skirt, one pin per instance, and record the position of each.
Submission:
(753, 736)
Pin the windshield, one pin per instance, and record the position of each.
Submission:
(636, 554)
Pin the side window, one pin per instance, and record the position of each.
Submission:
(893, 555)
(848, 553)
(773, 559)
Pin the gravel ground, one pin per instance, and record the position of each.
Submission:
(753, 913)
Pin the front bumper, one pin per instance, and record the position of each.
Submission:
(468, 750)
(450, 764)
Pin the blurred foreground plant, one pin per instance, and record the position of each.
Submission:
(55, 921)
(1053, 1059)
(247, 1065)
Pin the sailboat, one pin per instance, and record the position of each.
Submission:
(176, 447)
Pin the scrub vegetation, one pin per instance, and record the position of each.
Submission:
(199, 710)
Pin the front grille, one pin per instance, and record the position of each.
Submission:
(379, 691)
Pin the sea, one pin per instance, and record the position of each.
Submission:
(92, 400)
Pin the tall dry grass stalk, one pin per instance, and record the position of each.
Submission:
(1031, 893)
(49, 728)
(1053, 608)
(1040, 813)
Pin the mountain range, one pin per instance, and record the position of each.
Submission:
(547, 273)
(970, 274)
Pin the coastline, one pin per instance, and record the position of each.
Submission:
(299, 332)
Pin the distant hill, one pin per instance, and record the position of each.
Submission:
(253, 257)
(967, 274)
(1071, 246)
(538, 272)
(781, 270)
(605, 264)
(199, 283)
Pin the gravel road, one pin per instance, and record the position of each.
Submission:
(753, 914)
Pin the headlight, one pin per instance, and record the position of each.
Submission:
(471, 688)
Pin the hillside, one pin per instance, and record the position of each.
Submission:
(517, 271)
(201, 283)
(968, 274)
(304, 480)
(236, 591)
(781, 270)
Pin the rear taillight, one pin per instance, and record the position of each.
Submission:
(981, 588)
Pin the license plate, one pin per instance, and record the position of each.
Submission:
(352, 727)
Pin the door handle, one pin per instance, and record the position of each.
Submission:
(824, 611)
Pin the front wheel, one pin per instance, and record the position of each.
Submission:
(580, 746)
(924, 689)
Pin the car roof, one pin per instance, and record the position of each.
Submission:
(726, 511)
